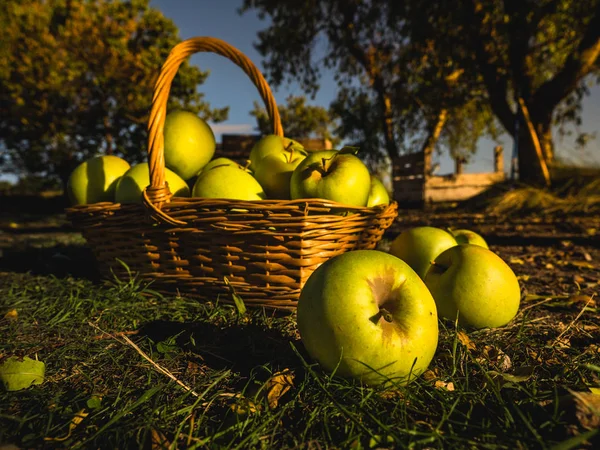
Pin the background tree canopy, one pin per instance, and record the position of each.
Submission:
(299, 120)
(416, 71)
(76, 79)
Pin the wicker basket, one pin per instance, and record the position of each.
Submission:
(263, 250)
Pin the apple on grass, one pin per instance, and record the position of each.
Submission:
(419, 246)
(274, 172)
(476, 284)
(273, 144)
(189, 143)
(464, 236)
(226, 181)
(366, 314)
(132, 184)
(95, 180)
(378, 195)
(332, 175)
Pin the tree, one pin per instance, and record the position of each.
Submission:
(394, 95)
(299, 120)
(417, 67)
(76, 79)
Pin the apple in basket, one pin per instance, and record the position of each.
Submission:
(378, 195)
(189, 143)
(469, 237)
(339, 176)
(274, 171)
(365, 314)
(475, 283)
(95, 180)
(419, 246)
(272, 144)
(230, 182)
(221, 161)
(132, 184)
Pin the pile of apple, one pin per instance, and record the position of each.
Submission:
(278, 168)
(373, 316)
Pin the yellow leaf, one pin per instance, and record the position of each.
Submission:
(516, 261)
(595, 390)
(439, 384)
(278, 385)
(11, 315)
(464, 340)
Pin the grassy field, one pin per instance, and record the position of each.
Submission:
(127, 367)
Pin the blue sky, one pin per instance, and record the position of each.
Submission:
(228, 85)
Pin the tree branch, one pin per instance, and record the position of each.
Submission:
(577, 66)
(495, 82)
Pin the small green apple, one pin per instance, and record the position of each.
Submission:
(221, 161)
(332, 175)
(476, 283)
(366, 314)
(378, 195)
(132, 184)
(274, 172)
(95, 180)
(229, 182)
(272, 144)
(469, 237)
(189, 143)
(420, 245)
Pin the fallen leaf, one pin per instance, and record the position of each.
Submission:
(159, 440)
(11, 315)
(582, 300)
(464, 340)
(516, 261)
(549, 266)
(449, 386)
(587, 256)
(77, 419)
(578, 279)
(278, 385)
(581, 407)
(595, 390)
(520, 375)
(17, 374)
(583, 265)
(244, 406)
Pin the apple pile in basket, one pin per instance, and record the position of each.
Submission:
(364, 314)
(279, 168)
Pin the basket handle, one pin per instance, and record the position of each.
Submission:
(158, 192)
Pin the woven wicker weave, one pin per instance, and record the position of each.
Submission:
(264, 250)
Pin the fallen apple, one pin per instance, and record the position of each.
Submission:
(274, 172)
(378, 195)
(469, 237)
(332, 175)
(132, 184)
(420, 245)
(95, 180)
(189, 143)
(476, 284)
(226, 181)
(366, 314)
(272, 144)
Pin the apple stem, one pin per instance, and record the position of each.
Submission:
(442, 267)
(386, 315)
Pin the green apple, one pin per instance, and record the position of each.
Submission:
(332, 175)
(230, 182)
(189, 143)
(420, 245)
(378, 195)
(95, 180)
(221, 161)
(475, 283)
(366, 314)
(136, 179)
(469, 237)
(272, 144)
(274, 172)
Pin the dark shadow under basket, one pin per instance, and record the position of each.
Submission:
(264, 250)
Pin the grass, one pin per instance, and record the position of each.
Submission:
(129, 368)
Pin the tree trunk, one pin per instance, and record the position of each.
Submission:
(544, 131)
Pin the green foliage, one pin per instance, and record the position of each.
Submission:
(76, 79)
(299, 120)
(399, 64)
